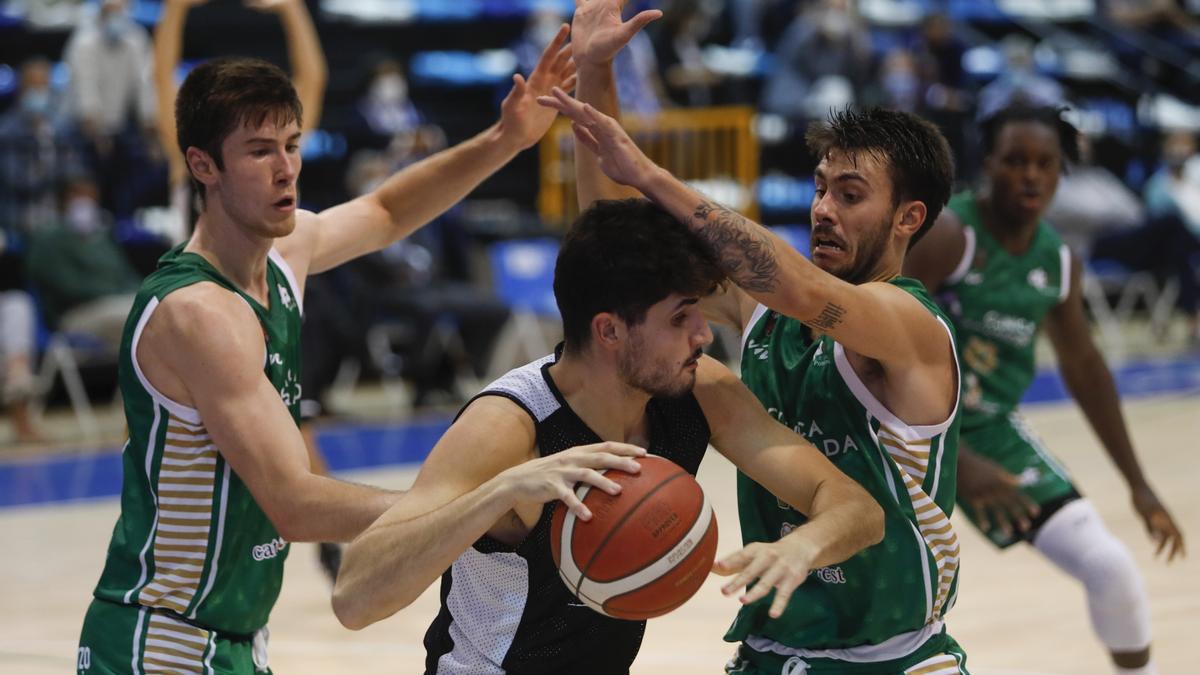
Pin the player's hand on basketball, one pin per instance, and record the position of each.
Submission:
(619, 157)
(780, 566)
(994, 495)
(1159, 523)
(598, 33)
(556, 476)
(522, 120)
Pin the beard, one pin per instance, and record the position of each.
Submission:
(867, 256)
(656, 378)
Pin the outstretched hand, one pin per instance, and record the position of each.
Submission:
(780, 566)
(521, 119)
(598, 33)
(618, 156)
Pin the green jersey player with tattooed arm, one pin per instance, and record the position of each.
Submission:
(841, 349)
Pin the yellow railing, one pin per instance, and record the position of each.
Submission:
(712, 148)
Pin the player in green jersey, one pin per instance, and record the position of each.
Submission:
(216, 476)
(851, 356)
(1002, 273)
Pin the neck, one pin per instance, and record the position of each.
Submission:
(239, 256)
(594, 390)
(1014, 232)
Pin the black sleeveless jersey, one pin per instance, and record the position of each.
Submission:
(504, 608)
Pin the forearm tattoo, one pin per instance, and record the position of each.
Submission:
(742, 250)
(829, 318)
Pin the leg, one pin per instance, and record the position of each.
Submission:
(1076, 540)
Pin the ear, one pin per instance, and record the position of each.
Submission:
(909, 218)
(201, 166)
(608, 330)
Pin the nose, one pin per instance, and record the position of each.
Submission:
(703, 335)
(287, 167)
(822, 208)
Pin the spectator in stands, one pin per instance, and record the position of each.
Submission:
(386, 118)
(18, 327)
(899, 81)
(678, 43)
(39, 148)
(945, 96)
(1091, 201)
(1019, 82)
(823, 62)
(1169, 243)
(111, 67)
(1160, 16)
(83, 279)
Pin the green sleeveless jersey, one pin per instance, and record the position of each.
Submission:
(997, 302)
(190, 539)
(888, 599)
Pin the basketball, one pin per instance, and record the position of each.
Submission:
(645, 551)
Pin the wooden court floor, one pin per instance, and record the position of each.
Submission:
(1015, 615)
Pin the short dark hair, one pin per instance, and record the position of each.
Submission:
(1050, 117)
(220, 96)
(916, 154)
(623, 256)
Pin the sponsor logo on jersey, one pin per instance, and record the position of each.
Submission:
(830, 575)
(285, 297)
(758, 349)
(269, 550)
(829, 444)
(1014, 330)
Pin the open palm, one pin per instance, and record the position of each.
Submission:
(521, 118)
(598, 33)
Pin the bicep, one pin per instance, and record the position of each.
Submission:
(1066, 323)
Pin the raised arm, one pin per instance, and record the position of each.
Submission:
(1090, 382)
(842, 518)
(597, 35)
(168, 45)
(877, 320)
(223, 380)
(309, 70)
(422, 191)
(480, 472)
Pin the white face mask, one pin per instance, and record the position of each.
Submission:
(83, 215)
(390, 88)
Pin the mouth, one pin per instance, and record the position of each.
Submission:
(693, 362)
(287, 204)
(825, 245)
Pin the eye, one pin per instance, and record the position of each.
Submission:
(292, 148)
(819, 192)
(261, 152)
(850, 197)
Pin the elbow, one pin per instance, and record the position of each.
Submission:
(348, 607)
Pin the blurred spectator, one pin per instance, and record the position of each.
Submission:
(401, 283)
(83, 280)
(945, 98)
(18, 326)
(111, 66)
(899, 81)
(822, 63)
(680, 33)
(1091, 200)
(1019, 82)
(387, 119)
(747, 18)
(1169, 243)
(39, 148)
(1162, 16)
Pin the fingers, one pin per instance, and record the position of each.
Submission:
(570, 83)
(753, 569)
(552, 50)
(783, 594)
(584, 136)
(574, 505)
(640, 21)
(730, 564)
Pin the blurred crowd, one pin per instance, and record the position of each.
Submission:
(92, 189)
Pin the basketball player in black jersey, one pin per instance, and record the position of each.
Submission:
(629, 378)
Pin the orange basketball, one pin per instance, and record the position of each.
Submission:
(646, 550)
